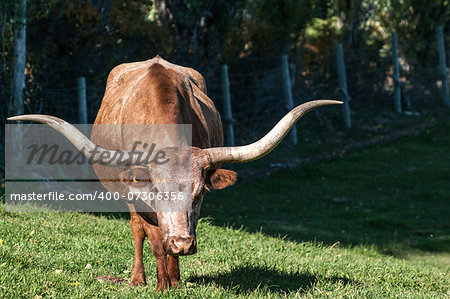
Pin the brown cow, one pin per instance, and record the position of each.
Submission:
(158, 92)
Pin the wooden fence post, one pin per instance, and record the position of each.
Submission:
(227, 106)
(396, 74)
(82, 107)
(288, 93)
(342, 76)
(443, 65)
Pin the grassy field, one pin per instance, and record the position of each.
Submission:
(374, 223)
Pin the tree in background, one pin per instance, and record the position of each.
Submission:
(71, 38)
(199, 29)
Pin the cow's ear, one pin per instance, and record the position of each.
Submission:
(220, 178)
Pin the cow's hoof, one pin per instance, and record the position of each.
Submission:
(163, 285)
(137, 283)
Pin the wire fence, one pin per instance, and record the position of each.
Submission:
(257, 97)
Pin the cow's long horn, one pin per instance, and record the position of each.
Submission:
(260, 148)
(81, 142)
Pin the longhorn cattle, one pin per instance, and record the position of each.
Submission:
(158, 92)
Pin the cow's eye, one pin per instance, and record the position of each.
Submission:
(138, 177)
(139, 180)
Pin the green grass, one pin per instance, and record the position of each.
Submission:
(394, 195)
(387, 206)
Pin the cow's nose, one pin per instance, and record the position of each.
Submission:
(181, 245)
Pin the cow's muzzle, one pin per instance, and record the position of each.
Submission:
(181, 245)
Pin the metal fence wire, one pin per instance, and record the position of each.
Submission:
(257, 97)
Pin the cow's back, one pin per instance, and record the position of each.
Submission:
(153, 92)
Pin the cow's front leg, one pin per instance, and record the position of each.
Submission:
(161, 270)
(138, 274)
(156, 240)
(173, 269)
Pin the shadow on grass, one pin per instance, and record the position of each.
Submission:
(247, 279)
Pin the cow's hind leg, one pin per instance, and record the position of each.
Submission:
(138, 274)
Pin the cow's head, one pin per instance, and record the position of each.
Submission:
(178, 227)
(180, 184)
